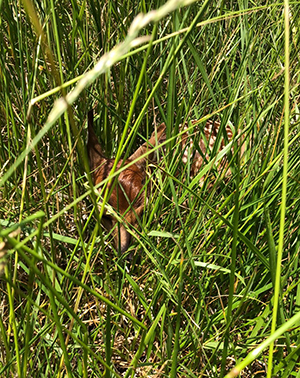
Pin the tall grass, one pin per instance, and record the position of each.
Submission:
(211, 261)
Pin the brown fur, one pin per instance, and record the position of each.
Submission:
(132, 179)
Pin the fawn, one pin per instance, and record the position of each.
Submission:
(127, 194)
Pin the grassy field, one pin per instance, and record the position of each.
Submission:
(214, 282)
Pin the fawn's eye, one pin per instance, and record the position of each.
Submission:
(107, 221)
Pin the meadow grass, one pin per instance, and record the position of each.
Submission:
(213, 286)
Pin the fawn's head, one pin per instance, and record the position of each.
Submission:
(127, 190)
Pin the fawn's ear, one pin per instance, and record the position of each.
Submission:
(158, 136)
(122, 238)
(95, 154)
